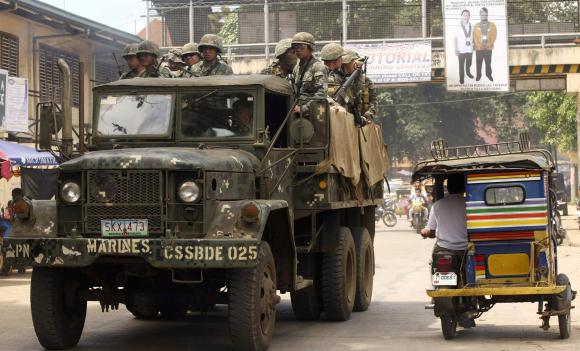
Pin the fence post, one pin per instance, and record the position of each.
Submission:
(147, 25)
(191, 21)
(424, 18)
(344, 21)
(267, 30)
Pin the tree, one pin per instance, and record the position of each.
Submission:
(553, 114)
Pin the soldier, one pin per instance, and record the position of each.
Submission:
(211, 46)
(147, 53)
(190, 55)
(309, 73)
(285, 60)
(176, 65)
(130, 56)
(331, 55)
(363, 92)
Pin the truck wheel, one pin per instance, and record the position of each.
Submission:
(173, 310)
(57, 315)
(143, 306)
(306, 302)
(365, 268)
(339, 278)
(252, 303)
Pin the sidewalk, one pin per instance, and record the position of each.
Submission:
(571, 225)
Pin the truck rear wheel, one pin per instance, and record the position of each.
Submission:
(252, 303)
(57, 314)
(365, 268)
(339, 278)
(306, 302)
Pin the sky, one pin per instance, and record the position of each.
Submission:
(121, 14)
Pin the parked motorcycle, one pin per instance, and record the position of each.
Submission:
(386, 213)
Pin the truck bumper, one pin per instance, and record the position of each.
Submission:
(159, 253)
(501, 291)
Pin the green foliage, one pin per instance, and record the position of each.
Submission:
(553, 114)
(230, 28)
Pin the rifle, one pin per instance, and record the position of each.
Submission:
(119, 70)
(341, 97)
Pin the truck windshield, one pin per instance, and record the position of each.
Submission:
(130, 115)
(214, 114)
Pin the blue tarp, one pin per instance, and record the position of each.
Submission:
(25, 156)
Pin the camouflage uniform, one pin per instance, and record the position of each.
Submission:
(332, 52)
(281, 58)
(205, 68)
(189, 48)
(311, 77)
(369, 99)
(130, 50)
(148, 47)
(354, 92)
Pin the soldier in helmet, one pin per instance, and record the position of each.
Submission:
(130, 56)
(211, 46)
(147, 53)
(176, 64)
(310, 74)
(285, 59)
(331, 54)
(363, 91)
(190, 55)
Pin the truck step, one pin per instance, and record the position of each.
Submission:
(302, 283)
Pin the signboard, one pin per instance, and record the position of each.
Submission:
(476, 45)
(3, 78)
(16, 118)
(405, 62)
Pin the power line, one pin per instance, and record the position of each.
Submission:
(453, 101)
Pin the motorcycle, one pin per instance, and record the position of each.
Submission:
(418, 216)
(386, 213)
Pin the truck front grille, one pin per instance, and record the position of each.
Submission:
(124, 195)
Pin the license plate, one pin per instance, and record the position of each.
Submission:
(445, 279)
(124, 227)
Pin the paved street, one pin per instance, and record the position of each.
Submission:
(396, 319)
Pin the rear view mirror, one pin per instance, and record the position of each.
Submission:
(49, 119)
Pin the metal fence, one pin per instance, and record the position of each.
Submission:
(252, 27)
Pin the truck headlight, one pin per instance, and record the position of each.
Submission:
(70, 192)
(189, 192)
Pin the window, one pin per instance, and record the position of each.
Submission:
(508, 195)
(9, 53)
(49, 75)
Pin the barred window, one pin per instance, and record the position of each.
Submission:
(50, 80)
(9, 53)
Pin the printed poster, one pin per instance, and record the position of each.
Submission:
(16, 119)
(476, 45)
(390, 63)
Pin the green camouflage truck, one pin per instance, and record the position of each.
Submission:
(197, 192)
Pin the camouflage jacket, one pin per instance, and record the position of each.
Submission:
(273, 70)
(369, 99)
(311, 79)
(129, 75)
(204, 69)
(335, 80)
(162, 72)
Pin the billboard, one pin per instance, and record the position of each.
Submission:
(391, 63)
(476, 45)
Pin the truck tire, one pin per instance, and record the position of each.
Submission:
(365, 268)
(306, 302)
(57, 315)
(142, 306)
(252, 303)
(339, 278)
(172, 310)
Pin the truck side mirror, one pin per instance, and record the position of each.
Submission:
(48, 125)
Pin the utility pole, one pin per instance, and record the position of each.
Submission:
(267, 30)
(344, 21)
(191, 21)
(147, 25)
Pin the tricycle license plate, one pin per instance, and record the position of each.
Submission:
(124, 227)
(445, 279)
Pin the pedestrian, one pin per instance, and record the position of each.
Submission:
(285, 60)
(484, 36)
(463, 42)
(130, 56)
(211, 47)
(191, 56)
(310, 74)
(147, 53)
(331, 54)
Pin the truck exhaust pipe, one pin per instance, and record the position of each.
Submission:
(67, 138)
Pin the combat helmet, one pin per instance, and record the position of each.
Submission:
(211, 40)
(331, 52)
(174, 57)
(148, 47)
(349, 56)
(130, 50)
(282, 46)
(190, 48)
(304, 38)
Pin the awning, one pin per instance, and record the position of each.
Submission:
(25, 156)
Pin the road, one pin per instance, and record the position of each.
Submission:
(396, 319)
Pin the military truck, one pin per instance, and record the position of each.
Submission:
(197, 192)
